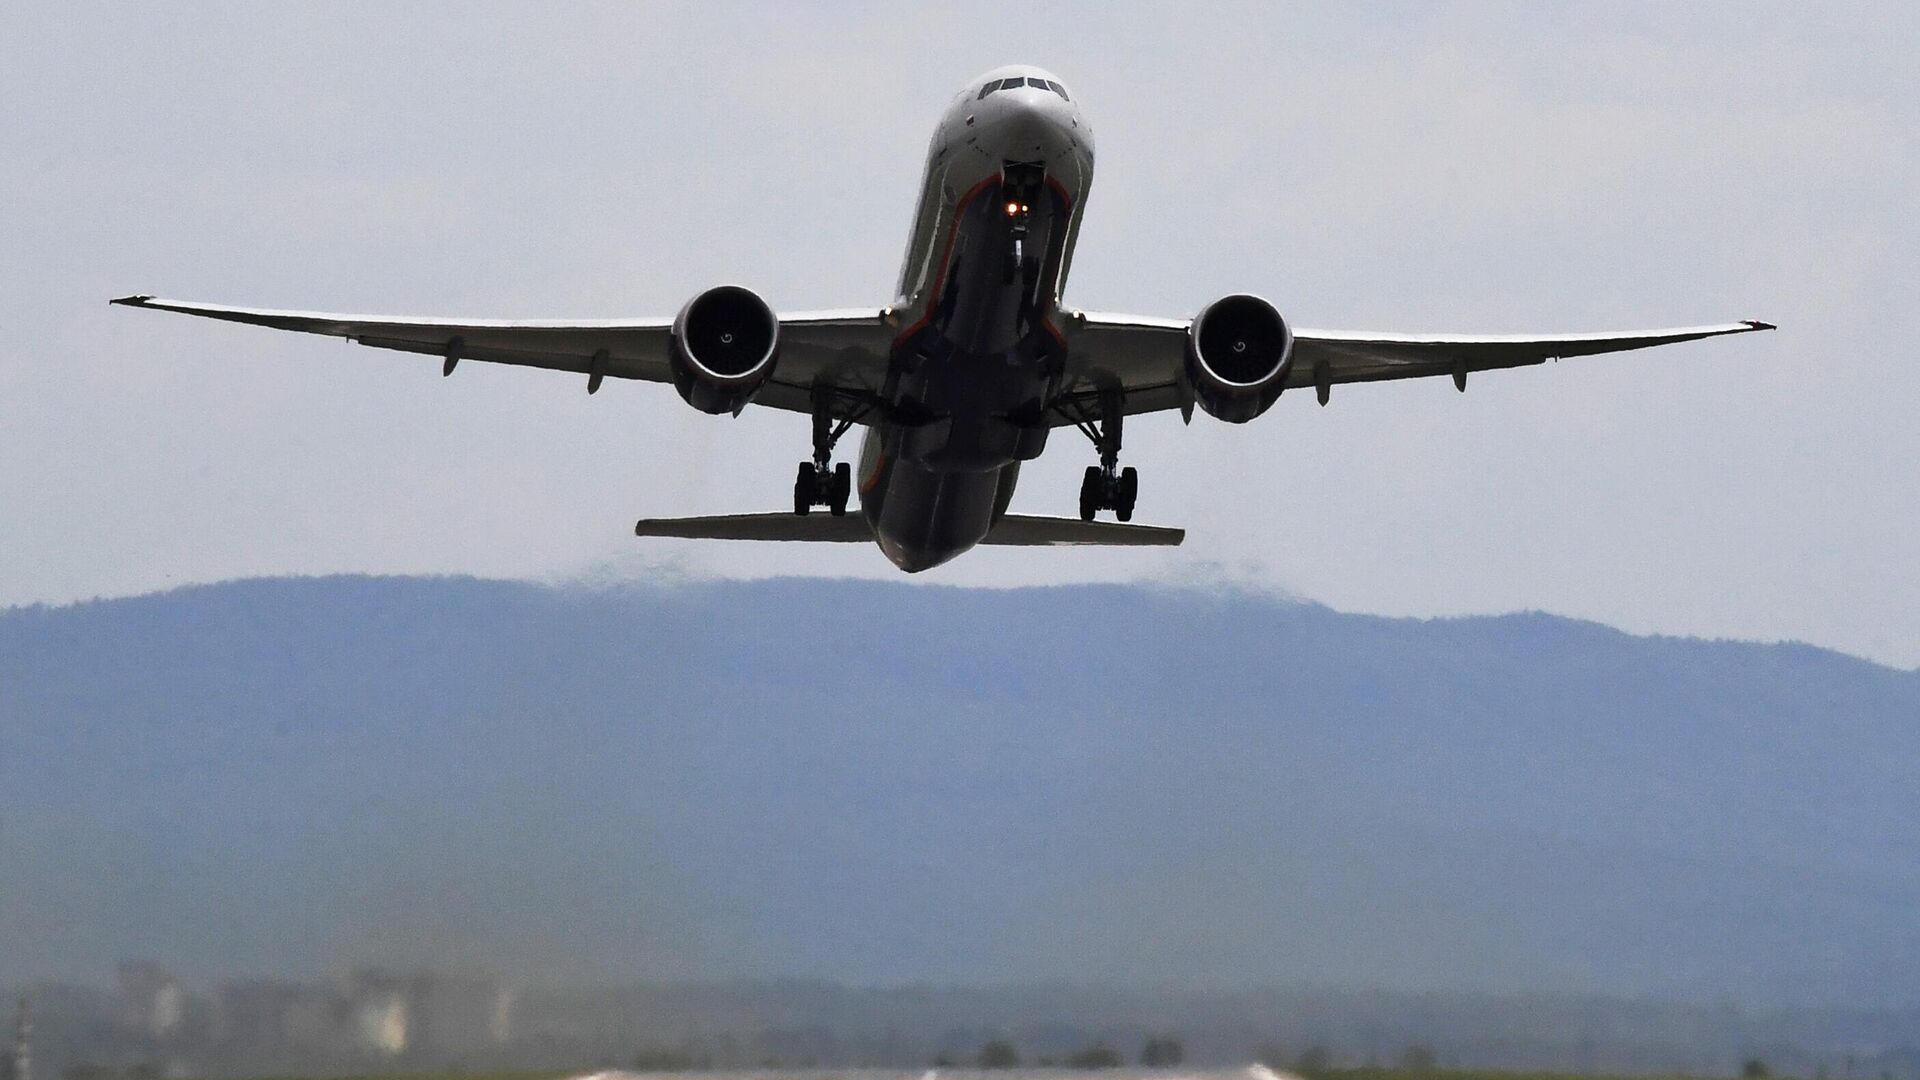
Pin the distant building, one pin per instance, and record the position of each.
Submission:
(500, 1028)
(264, 1015)
(459, 1014)
(20, 1062)
(312, 1021)
(381, 1006)
(152, 999)
(427, 1012)
(380, 1022)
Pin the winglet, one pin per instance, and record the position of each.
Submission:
(1756, 324)
(132, 301)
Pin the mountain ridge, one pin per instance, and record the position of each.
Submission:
(589, 585)
(878, 782)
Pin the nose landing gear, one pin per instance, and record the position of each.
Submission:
(1021, 184)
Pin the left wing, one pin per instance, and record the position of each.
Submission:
(846, 350)
(1143, 356)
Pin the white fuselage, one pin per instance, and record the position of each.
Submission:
(976, 136)
(979, 354)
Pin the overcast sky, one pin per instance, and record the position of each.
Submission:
(1420, 167)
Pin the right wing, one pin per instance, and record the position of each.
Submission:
(1023, 530)
(844, 350)
(1143, 356)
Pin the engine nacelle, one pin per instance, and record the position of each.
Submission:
(725, 344)
(1239, 351)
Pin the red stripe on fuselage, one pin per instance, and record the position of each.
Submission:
(946, 258)
(872, 480)
(1066, 199)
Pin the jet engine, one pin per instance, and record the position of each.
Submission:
(725, 344)
(1239, 351)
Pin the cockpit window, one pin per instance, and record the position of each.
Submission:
(1019, 81)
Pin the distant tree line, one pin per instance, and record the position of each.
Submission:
(1162, 1052)
(669, 1059)
(1158, 1052)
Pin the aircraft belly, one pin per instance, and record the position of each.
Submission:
(979, 370)
(922, 517)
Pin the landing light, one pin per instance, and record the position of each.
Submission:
(1013, 208)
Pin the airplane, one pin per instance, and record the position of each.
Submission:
(975, 362)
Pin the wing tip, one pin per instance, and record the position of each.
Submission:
(1756, 324)
(138, 300)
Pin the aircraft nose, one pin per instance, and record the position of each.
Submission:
(1032, 125)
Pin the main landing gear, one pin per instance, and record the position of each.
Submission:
(817, 485)
(820, 482)
(1106, 486)
(1101, 488)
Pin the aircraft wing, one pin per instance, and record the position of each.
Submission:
(1013, 530)
(843, 349)
(1022, 530)
(1144, 356)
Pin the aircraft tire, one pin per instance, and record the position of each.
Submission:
(1090, 485)
(803, 488)
(842, 489)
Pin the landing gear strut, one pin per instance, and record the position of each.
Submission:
(1106, 486)
(820, 482)
(1021, 185)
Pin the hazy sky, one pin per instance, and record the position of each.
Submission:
(1419, 167)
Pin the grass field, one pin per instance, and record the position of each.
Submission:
(1013, 1074)
(1474, 1074)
